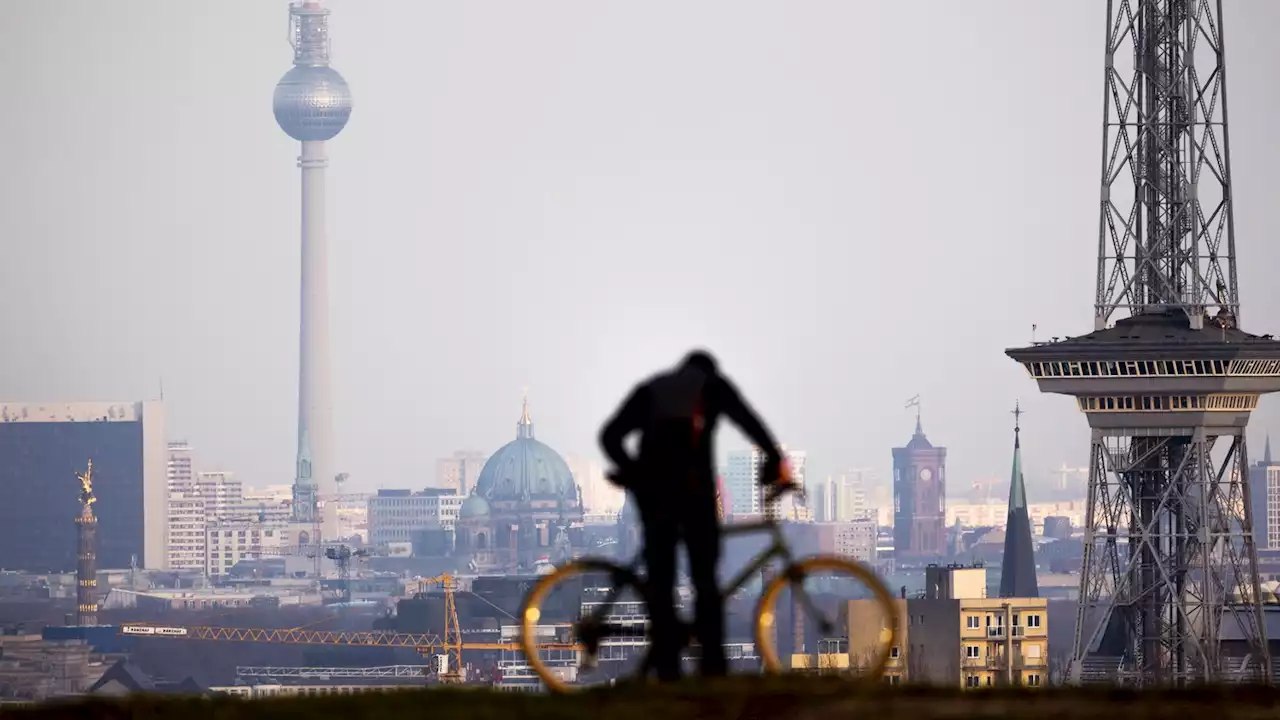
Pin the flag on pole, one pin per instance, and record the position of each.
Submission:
(914, 402)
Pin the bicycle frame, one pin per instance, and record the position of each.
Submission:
(777, 548)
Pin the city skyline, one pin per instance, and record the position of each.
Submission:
(460, 197)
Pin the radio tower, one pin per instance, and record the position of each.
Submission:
(86, 555)
(312, 104)
(1169, 588)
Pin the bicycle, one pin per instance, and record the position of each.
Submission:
(622, 578)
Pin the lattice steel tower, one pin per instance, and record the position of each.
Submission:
(1169, 588)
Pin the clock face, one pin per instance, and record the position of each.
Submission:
(926, 474)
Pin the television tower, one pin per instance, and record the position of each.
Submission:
(1169, 591)
(312, 103)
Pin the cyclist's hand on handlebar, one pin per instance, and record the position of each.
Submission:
(780, 488)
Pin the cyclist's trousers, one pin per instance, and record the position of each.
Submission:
(693, 518)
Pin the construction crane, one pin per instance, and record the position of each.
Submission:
(451, 645)
(342, 555)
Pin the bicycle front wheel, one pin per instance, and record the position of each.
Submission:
(871, 661)
(590, 628)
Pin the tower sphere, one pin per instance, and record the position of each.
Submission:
(312, 103)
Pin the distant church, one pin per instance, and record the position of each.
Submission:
(525, 508)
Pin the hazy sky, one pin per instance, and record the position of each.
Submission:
(851, 202)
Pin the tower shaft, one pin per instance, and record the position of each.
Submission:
(86, 553)
(315, 422)
(86, 569)
(312, 103)
(1166, 234)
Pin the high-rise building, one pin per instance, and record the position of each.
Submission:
(222, 493)
(458, 473)
(312, 104)
(742, 483)
(842, 497)
(44, 445)
(185, 524)
(180, 466)
(598, 494)
(1264, 497)
(919, 498)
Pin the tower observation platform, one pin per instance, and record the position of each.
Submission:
(1170, 565)
(1167, 380)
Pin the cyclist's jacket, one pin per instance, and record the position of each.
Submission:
(676, 414)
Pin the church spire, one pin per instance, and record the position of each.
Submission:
(1017, 486)
(524, 428)
(1018, 568)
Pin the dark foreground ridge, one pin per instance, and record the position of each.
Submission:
(737, 699)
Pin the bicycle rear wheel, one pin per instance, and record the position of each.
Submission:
(589, 629)
(793, 576)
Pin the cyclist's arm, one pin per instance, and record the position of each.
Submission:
(736, 409)
(628, 419)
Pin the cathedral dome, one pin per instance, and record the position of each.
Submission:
(525, 469)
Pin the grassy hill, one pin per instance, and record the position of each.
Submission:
(738, 699)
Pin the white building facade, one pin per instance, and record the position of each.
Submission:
(459, 472)
(742, 482)
(394, 516)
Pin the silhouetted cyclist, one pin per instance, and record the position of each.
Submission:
(672, 482)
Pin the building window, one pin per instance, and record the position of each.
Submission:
(894, 651)
(973, 622)
(971, 681)
(972, 651)
(1033, 621)
(1033, 680)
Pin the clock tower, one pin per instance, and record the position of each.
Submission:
(919, 499)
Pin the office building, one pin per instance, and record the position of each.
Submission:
(742, 483)
(459, 472)
(44, 445)
(229, 542)
(404, 516)
(180, 467)
(842, 497)
(598, 494)
(1264, 500)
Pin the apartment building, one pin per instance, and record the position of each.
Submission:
(230, 542)
(955, 635)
